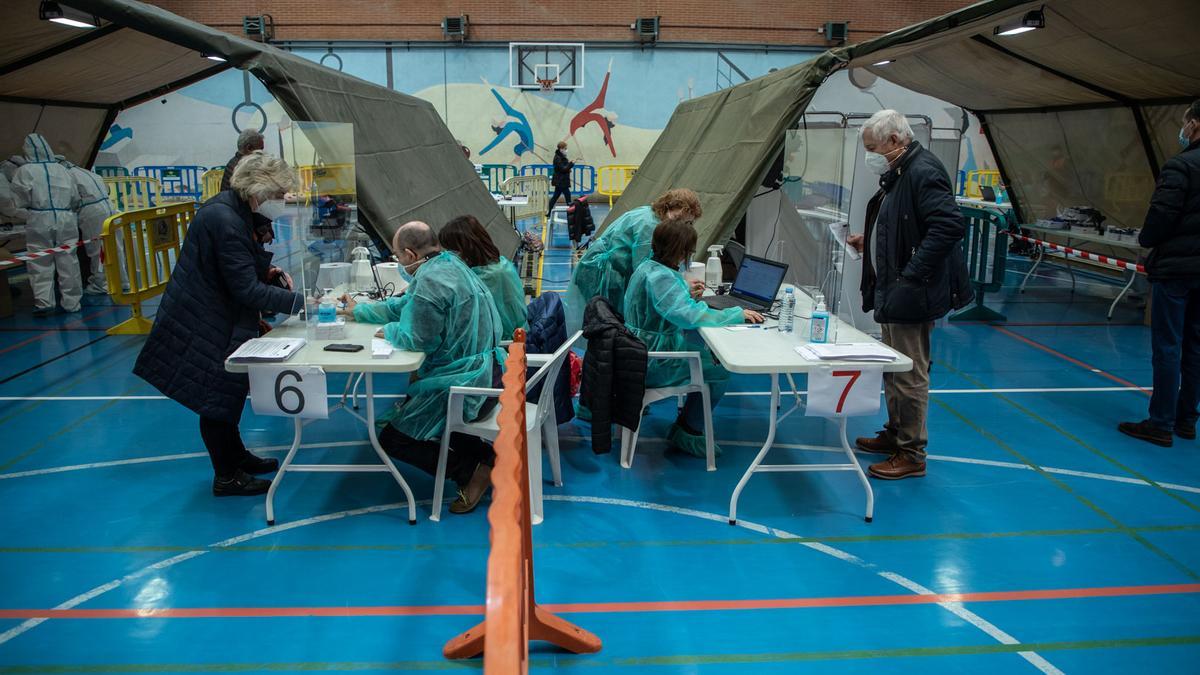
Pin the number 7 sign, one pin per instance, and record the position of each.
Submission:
(844, 392)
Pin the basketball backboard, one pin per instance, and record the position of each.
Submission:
(533, 62)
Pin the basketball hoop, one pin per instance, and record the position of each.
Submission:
(547, 85)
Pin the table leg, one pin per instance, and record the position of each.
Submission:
(1113, 307)
(287, 461)
(862, 477)
(771, 422)
(383, 456)
(1038, 261)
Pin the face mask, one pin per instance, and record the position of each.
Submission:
(408, 276)
(1184, 140)
(877, 163)
(273, 209)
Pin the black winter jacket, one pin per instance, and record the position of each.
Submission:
(547, 320)
(614, 373)
(579, 220)
(916, 271)
(1172, 227)
(562, 170)
(210, 307)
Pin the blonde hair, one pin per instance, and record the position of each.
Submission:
(681, 200)
(262, 177)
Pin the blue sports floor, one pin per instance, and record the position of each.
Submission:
(1041, 539)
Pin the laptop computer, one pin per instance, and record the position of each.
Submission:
(757, 283)
(988, 192)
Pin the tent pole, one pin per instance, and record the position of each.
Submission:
(1144, 133)
(987, 134)
(109, 118)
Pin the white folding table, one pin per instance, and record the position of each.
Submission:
(769, 352)
(353, 363)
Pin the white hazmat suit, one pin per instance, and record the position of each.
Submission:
(47, 191)
(94, 209)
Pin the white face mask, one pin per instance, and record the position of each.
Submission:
(877, 163)
(273, 209)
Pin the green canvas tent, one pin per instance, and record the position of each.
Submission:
(1080, 112)
(70, 84)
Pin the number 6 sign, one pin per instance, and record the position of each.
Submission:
(289, 391)
(843, 392)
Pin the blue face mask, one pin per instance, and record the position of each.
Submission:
(1184, 141)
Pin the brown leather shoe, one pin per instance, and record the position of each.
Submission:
(1145, 431)
(899, 465)
(880, 445)
(470, 494)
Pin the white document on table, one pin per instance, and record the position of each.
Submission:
(840, 232)
(266, 350)
(867, 352)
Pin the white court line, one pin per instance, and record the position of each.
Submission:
(1045, 390)
(955, 608)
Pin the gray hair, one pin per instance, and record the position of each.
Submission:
(887, 123)
(415, 236)
(262, 177)
(249, 139)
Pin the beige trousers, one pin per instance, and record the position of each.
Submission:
(907, 394)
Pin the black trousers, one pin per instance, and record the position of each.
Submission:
(565, 191)
(466, 452)
(224, 444)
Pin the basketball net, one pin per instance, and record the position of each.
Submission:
(547, 85)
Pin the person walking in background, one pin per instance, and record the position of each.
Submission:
(562, 177)
(1172, 233)
(250, 140)
(94, 209)
(913, 274)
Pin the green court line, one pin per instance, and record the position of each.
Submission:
(1079, 441)
(668, 543)
(573, 661)
(75, 424)
(1131, 532)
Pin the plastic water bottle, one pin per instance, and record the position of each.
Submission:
(819, 326)
(787, 312)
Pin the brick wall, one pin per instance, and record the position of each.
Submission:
(776, 22)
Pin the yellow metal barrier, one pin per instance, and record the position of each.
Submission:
(211, 180)
(130, 193)
(330, 179)
(979, 177)
(612, 180)
(150, 241)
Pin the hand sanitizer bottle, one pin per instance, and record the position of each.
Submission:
(712, 269)
(819, 326)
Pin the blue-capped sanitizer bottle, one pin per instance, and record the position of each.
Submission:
(819, 326)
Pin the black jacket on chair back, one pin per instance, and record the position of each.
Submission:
(1172, 227)
(212, 305)
(614, 373)
(914, 270)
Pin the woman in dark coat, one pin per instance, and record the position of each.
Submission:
(561, 180)
(221, 284)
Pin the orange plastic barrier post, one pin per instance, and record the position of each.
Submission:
(513, 618)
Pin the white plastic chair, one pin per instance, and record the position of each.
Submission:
(540, 424)
(696, 385)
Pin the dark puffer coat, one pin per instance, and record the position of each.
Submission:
(913, 243)
(562, 170)
(614, 373)
(210, 307)
(1172, 227)
(547, 332)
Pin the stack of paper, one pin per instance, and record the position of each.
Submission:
(381, 349)
(862, 351)
(267, 349)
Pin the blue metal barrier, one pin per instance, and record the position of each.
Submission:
(111, 171)
(179, 183)
(583, 176)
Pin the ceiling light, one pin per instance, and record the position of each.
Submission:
(1031, 21)
(214, 57)
(884, 62)
(55, 12)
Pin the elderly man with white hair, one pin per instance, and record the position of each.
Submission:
(250, 140)
(913, 274)
(222, 282)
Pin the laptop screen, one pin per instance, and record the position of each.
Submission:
(759, 279)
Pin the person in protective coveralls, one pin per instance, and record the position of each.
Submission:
(46, 190)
